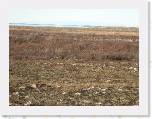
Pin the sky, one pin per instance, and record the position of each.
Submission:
(92, 17)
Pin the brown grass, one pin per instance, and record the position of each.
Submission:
(74, 66)
(41, 43)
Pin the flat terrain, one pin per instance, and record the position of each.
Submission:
(52, 66)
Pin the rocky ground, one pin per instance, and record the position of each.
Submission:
(71, 82)
(51, 66)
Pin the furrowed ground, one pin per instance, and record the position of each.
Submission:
(52, 66)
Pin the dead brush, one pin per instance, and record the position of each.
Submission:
(46, 45)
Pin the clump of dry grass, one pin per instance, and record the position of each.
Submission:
(45, 44)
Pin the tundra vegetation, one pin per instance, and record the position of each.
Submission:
(64, 66)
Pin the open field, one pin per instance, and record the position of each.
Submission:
(53, 66)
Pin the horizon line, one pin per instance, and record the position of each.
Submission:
(60, 25)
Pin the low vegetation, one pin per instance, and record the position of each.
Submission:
(52, 66)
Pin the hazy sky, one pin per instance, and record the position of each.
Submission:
(95, 17)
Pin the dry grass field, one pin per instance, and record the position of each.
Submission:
(61, 66)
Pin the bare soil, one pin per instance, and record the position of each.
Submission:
(73, 67)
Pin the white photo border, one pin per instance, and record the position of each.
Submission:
(141, 110)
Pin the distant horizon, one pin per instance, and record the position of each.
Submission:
(76, 17)
(57, 25)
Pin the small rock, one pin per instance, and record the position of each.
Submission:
(86, 101)
(49, 84)
(15, 93)
(27, 97)
(28, 103)
(33, 86)
(58, 86)
(22, 88)
(104, 89)
(130, 67)
(92, 87)
(64, 93)
(98, 103)
(135, 69)
(77, 93)
(104, 65)
(96, 92)
(108, 80)
(119, 89)
(74, 64)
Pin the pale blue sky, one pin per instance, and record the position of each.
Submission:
(94, 17)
